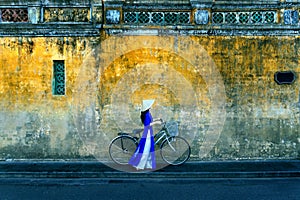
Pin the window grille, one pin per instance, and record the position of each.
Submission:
(183, 18)
(255, 17)
(270, 17)
(58, 83)
(230, 18)
(131, 17)
(218, 18)
(160, 18)
(157, 18)
(244, 18)
(170, 18)
(144, 17)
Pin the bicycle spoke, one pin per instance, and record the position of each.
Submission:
(121, 149)
(175, 150)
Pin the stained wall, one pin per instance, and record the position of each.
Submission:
(261, 117)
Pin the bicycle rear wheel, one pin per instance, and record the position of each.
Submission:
(121, 149)
(175, 150)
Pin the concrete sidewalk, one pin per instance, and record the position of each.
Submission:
(190, 170)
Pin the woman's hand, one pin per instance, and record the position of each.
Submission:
(157, 121)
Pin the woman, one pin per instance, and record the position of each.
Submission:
(144, 155)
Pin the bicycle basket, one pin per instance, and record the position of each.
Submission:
(172, 128)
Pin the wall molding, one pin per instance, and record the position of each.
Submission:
(208, 18)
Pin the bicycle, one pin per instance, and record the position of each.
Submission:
(174, 150)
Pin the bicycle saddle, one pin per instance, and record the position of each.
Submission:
(137, 131)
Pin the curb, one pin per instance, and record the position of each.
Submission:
(190, 170)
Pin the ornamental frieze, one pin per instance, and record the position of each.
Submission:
(14, 15)
(67, 15)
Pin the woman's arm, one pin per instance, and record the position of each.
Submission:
(156, 121)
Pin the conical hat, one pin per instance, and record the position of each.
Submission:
(147, 104)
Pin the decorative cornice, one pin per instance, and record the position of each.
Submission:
(52, 30)
(242, 31)
(197, 18)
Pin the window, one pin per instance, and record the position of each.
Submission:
(285, 77)
(58, 82)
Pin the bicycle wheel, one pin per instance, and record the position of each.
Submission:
(122, 148)
(175, 150)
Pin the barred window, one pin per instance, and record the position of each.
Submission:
(58, 82)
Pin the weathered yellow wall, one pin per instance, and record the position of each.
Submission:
(32, 118)
(262, 116)
(26, 70)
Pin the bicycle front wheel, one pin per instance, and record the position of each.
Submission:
(121, 149)
(175, 150)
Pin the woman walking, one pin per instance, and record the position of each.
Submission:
(144, 155)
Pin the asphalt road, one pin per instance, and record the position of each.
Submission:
(131, 189)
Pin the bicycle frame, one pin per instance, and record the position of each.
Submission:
(162, 140)
(163, 134)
